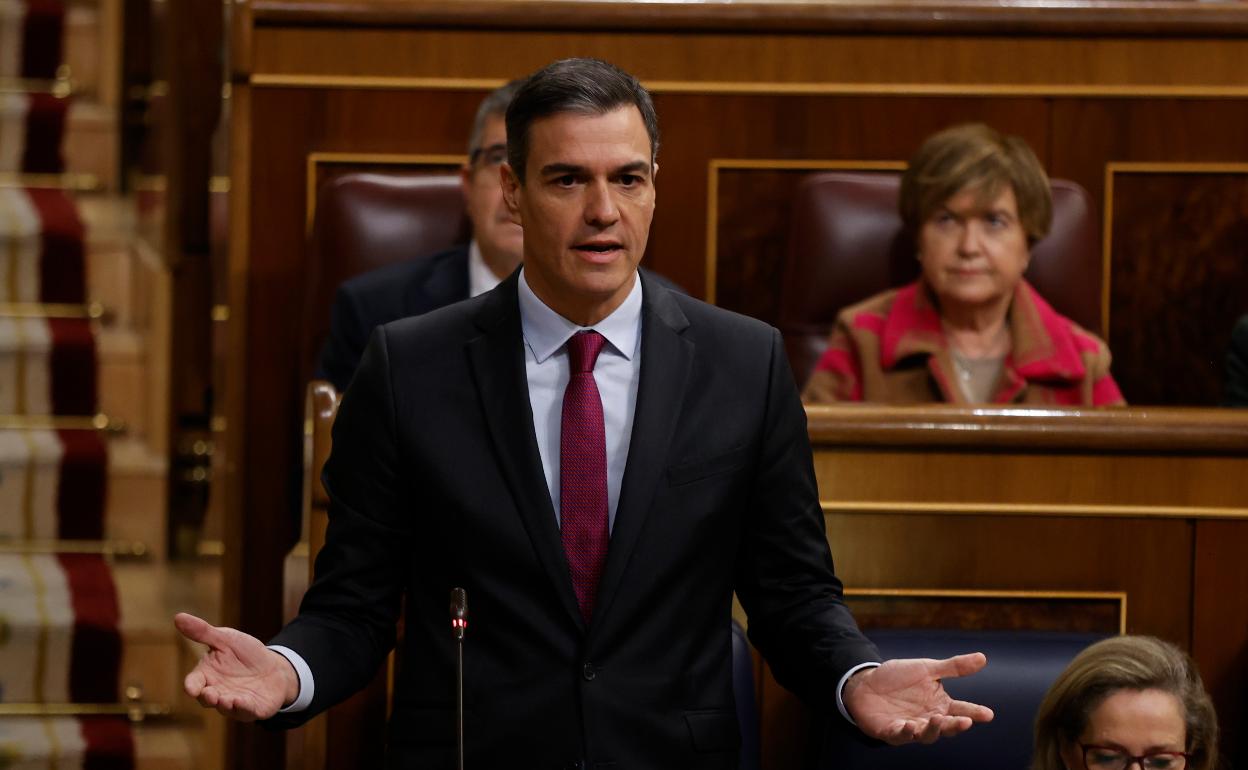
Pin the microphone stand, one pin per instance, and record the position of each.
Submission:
(459, 624)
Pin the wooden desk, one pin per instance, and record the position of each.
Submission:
(1148, 504)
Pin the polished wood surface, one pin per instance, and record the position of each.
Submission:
(1086, 84)
(1046, 16)
(1179, 238)
(1149, 503)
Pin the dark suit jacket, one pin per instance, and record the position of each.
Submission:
(387, 294)
(1237, 366)
(435, 481)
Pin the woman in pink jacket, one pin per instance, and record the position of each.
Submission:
(970, 329)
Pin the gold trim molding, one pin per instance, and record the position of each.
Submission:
(1107, 211)
(100, 422)
(395, 83)
(715, 165)
(135, 712)
(94, 311)
(68, 182)
(315, 159)
(121, 549)
(1048, 510)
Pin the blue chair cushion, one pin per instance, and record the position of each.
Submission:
(1021, 667)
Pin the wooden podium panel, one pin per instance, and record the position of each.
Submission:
(1150, 505)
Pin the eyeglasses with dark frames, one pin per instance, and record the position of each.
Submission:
(493, 155)
(1113, 758)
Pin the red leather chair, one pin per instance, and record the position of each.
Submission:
(362, 221)
(365, 220)
(847, 243)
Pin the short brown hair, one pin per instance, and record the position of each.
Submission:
(981, 158)
(1124, 663)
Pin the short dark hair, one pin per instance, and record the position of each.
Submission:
(584, 86)
(495, 103)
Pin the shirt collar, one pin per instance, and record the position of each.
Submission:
(480, 277)
(545, 331)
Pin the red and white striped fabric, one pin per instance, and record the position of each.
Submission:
(53, 485)
(32, 126)
(47, 366)
(59, 636)
(42, 247)
(66, 743)
(32, 36)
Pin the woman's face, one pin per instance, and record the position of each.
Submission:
(1128, 724)
(973, 254)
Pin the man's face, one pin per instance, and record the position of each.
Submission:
(586, 207)
(500, 240)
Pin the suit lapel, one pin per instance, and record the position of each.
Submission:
(666, 357)
(497, 358)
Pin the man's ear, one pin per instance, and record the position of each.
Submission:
(512, 191)
(465, 179)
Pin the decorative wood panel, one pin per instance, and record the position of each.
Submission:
(1076, 611)
(1177, 279)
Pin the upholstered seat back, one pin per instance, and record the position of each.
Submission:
(847, 243)
(1021, 667)
(365, 220)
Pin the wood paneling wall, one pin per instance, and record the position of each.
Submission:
(1143, 83)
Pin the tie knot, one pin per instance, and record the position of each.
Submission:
(583, 350)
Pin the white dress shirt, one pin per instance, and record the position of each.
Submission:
(480, 277)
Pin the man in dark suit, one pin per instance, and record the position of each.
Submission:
(600, 462)
(429, 282)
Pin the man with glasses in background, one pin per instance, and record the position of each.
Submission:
(427, 283)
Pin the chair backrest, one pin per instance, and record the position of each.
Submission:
(847, 243)
(1022, 665)
(365, 220)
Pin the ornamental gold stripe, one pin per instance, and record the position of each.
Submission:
(100, 422)
(41, 608)
(136, 712)
(91, 310)
(796, 88)
(124, 549)
(1050, 510)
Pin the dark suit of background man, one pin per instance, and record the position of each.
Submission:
(430, 282)
(1237, 366)
(599, 571)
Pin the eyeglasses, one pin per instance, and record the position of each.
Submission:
(494, 155)
(1110, 758)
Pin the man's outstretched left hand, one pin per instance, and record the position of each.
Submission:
(904, 701)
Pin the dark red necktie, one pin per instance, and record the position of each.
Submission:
(583, 472)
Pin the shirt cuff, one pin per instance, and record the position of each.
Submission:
(307, 686)
(840, 689)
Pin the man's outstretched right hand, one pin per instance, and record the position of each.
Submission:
(239, 676)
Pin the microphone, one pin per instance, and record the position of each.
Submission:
(459, 613)
(459, 624)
